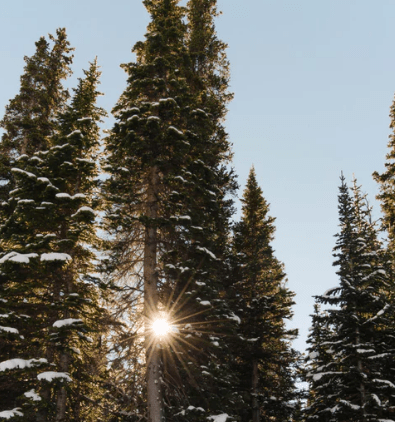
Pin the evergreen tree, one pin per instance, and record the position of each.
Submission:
(319, 357)
(47, 283)
(169, 217)
(30, 117)
(354, 384)
(265, 360)
(145, 152)
(387, 186)
(28, 120)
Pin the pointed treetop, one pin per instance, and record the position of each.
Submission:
(165, 31)
(255, 208)
(30, 116)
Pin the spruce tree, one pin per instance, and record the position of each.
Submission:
(386, 181)
(28, 120)
(169, 216)
(146, 150)
(265, 359)
(47, 281)
(319, 357)
(30, 117)
(354, 383)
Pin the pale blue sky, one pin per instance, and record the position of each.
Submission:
(313, 83)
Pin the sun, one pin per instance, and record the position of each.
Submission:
(160, 327)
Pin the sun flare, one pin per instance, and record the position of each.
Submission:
(161, 327)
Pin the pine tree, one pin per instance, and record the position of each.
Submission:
(46, 266)
(355, 383)
(265, 360)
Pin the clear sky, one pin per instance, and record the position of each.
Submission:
(313, 83)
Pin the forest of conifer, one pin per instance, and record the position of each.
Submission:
(129, 291)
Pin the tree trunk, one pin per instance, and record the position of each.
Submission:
(255, 403)
(42, 413)
(362, 386)
(152, 350)
(62, 394)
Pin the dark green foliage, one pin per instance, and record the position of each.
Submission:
(387, 186)
(351, 343)
(30, 117)
(169, 130)
(47, 266)
(265, 361)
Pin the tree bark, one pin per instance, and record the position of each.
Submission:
(255, 403)
(152, 350)
(362, 386)
(62, 394)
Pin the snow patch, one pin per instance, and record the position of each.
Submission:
(20, 363)
(33, 395)
(84, 209)
(352, 406)
(64, 322)
(7, 414)
(25, 173)
(75, 132)
(174, 129)
(26, 201)
(50, 376)
(389, 383)
(9, 329)
(63, 195)
(18, 257)
(376, 399)
(206, 251)
(55, 256)
(234, 317)
(219, 418)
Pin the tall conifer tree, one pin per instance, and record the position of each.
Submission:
(47, 290)
(387, 186)
(28, 122)
(265, 360)
(30, 117)
(169, 215)
(146, 152)
(354, 384)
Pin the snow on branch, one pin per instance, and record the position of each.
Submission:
(206, 251)
(8, 414)
(219, 418)
(18, 257)
(50, 376)
(55, 256)
(9, 330)
(64, 322)
(20, 363)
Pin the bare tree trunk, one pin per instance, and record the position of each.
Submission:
(153, 358)
(255, 404)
